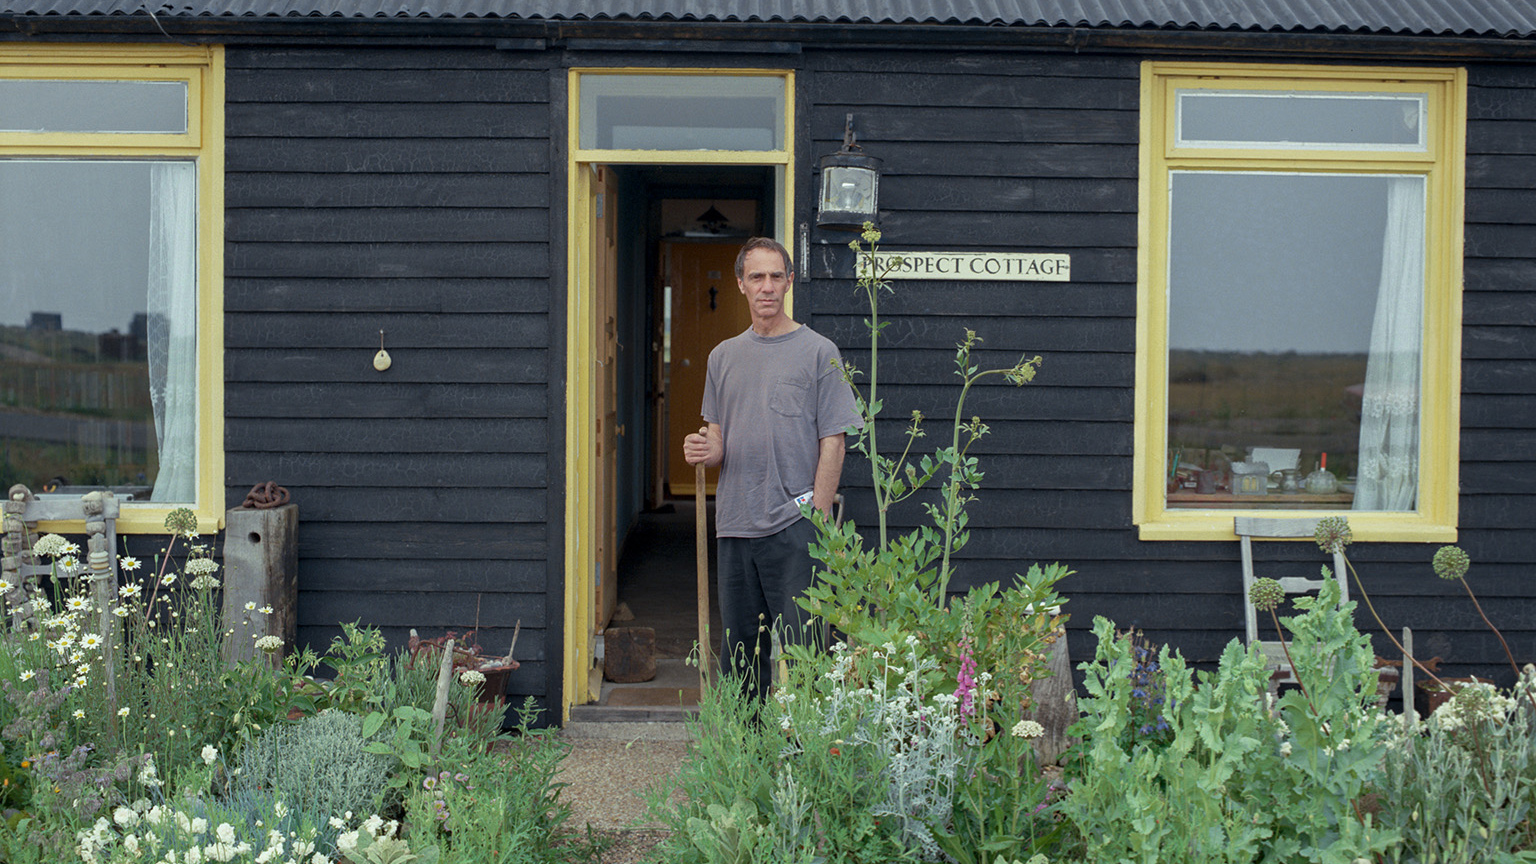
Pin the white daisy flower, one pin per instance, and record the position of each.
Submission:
(168, 580)
(90, 640)
(29, 675)
(132, 589)
(79, 713)
(128, 563)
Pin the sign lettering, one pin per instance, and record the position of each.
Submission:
(992, 266)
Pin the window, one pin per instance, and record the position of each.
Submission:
(1299, 310)
(111, 307)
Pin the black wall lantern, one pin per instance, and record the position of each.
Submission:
(850, 186)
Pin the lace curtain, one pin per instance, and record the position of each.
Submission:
(1389, 419)
(173, 327)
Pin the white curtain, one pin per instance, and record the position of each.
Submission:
(1389, 421)
(173, 327)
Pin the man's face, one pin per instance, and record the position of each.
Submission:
(765, 283)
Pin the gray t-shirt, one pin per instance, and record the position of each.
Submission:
(775, 398)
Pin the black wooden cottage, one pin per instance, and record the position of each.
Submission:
(1289, 228)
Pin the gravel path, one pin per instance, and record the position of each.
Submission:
(608, 784)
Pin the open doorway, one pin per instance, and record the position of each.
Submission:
(670, 234)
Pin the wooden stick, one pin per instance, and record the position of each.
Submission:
(701, 552)
(440, 704)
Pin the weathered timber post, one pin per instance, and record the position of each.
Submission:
(1055, 703)
(261, 567)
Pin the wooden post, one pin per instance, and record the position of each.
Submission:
(1055, 703)
(701, 552)
(261, 566)
(1410, 716)
(440, 704)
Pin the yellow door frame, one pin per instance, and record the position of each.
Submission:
(582, 331)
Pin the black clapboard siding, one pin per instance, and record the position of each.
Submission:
(353, 295)
(473, 576)
(403, 190)
(428, 435)
(431, 365)
(1501, 206)
(1501, 309)
(1498, 274)
(380, 224)
(927, 338)
(430, 503)
(994, 124)
(1018, 299)
(401, 467)
(442, 191)
(385, 155)
(431, 606)
(1493, 171)
(419, 120)
(483, 330)
(981, 196)
(408, 258)
(382, 86)
(418, 545)
(929, 89)
(369, 400)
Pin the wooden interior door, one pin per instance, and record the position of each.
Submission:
(707, 308)
(605, 321)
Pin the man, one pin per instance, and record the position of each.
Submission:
(776, 406)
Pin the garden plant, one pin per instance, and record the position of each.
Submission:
(260, 762)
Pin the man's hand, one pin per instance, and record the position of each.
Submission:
(704, 446)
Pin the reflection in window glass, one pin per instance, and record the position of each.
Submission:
(682, 112)
(93, 106)
(1294, 336)
(98, 326)
(1279, 119)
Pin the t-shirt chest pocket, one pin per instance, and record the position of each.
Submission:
(788, 396)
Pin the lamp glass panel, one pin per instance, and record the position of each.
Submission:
(847, 189)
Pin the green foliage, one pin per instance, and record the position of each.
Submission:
(320, 765)
(1460, 787)
(1238, 782)
(501, 806)
(1003, 809)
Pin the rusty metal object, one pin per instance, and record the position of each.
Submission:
(265, 496)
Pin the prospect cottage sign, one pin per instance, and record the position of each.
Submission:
(991, 266)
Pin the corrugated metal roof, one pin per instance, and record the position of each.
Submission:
(1496, 18)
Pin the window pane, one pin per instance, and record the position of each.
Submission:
(682, 112)
(1294, 333)
(93, 106)
(1292, 120)
(98, 326)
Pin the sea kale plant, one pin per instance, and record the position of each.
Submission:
(1243, 779)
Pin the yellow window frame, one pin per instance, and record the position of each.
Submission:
(202, 69)
(582, 332)
(1443, 165)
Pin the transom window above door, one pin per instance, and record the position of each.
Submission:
(683, 111)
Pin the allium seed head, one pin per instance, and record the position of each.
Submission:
(1333, 534)
(1451, 563)
(1266, 595)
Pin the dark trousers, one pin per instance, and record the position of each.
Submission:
(760, 577)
